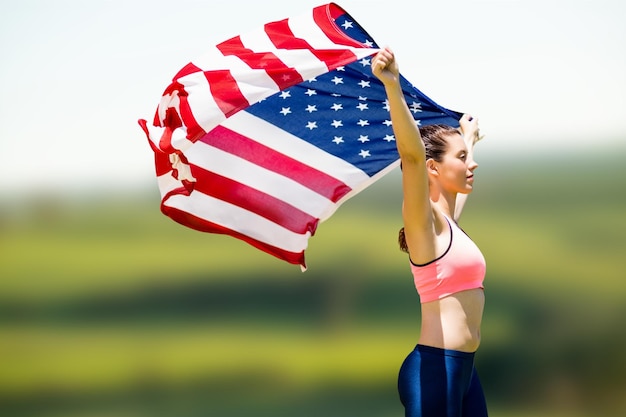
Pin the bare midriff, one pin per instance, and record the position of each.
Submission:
(453, 322)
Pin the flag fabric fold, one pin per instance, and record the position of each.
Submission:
(265, 135)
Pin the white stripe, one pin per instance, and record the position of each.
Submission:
(259, 178)
(305, 27)
(167, 183)
(302, 60)
(203, 107)
(154, 134)
(254, 84)
(240, 220)
(271, 136)
(178, 140)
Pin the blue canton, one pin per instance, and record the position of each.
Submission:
(345, 112)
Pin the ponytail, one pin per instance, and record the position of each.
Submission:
(402, 241)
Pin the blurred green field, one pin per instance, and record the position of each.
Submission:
(108, 308)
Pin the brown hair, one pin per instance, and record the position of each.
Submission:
(435, 138)
(436, 144)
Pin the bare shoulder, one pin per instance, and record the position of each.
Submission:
(430, 240)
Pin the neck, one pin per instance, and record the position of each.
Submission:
(444, 202)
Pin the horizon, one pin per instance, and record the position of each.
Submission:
(491, 163)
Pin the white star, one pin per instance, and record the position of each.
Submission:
(285, 94)
(386, 106)
(362, 106)
(341, 69)
(312, 80)
(368, 43)
(338, 139)
(311, 125)
(389, 138)
(310, 92)
(364, 154)
(362, 122)
(311, 108)
(416, 107)
(285, 111)
(387, 123)
(336, 106)
(337, 80)
(336, 95)
(364, 83)
(365, 62)
(361, 98)
(347, 24)
(363, 138)
(336, 123)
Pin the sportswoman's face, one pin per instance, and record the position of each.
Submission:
(456, 170)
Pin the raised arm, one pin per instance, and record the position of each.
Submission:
(416, 209)
(471, 135)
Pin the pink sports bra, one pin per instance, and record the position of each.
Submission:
(461, 267)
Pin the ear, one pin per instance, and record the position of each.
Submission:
(432, 167)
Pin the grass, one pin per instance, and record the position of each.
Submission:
(108, 308)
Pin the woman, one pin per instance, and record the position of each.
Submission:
(438, 377)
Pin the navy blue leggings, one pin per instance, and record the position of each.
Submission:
(437, 382)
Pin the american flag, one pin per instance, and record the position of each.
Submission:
(266, 135)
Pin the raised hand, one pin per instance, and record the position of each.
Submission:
(385, 67)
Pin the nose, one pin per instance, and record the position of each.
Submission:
(472, 165)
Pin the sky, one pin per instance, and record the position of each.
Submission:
(77, 75)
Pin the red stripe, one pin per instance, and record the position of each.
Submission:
(242, 146)
(226, 92)
(190, 68)
(250, 199)
(162, 162)
(194, 130)
(203, 225)
(283, 38)
(282, 75)
(175, 118)
(324, 17)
